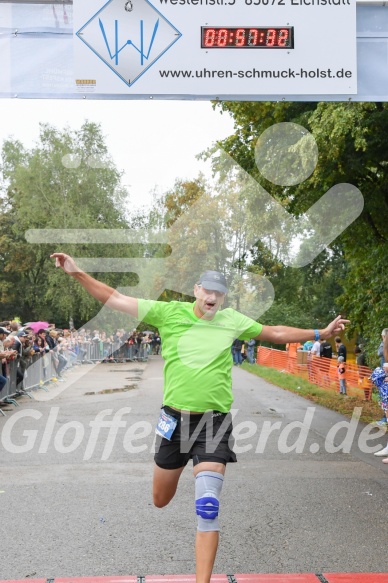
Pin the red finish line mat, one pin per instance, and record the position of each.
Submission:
(356, 577)
(278, 578)
(238, 578)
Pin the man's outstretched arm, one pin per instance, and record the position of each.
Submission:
(284, 334)
(102, 292)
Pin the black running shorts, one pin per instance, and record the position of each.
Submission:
(203, 437)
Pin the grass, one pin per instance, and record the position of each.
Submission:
(371, 410)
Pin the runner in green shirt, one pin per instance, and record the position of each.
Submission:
(197, 341)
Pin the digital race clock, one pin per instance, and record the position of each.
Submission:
(247, 37)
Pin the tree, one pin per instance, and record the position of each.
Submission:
(66, 181)
(352, 144)
(196, 233)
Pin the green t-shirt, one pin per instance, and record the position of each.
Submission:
(197, 353)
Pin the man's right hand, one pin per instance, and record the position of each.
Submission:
(102, 292)
(66, 262)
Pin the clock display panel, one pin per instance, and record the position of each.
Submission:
(247, 37)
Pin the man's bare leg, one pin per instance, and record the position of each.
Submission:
(206, 543)
(165, 484)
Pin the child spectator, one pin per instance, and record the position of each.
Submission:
(342, 374)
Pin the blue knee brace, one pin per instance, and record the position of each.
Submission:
(208, 486)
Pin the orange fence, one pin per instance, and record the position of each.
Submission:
(319, 371)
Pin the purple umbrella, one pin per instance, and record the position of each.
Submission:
(36, 326)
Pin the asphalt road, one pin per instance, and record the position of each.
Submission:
(75, 496)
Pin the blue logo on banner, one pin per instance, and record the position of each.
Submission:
(128, 37)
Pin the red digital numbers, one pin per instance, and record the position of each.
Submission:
(283, 37)
(222, 37)
(253, 37)
(260, 37)
(240, 37)
(210, 37)
(271, 37)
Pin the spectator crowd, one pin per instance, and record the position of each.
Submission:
(21, 345)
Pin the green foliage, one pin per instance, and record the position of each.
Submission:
(352, 140)
(66, 181)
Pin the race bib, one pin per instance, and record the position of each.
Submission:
(166, 425)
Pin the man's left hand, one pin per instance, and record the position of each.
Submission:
(335, 327)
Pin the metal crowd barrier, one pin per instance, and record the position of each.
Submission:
(9, 390)
(112, 352)
(42, 369)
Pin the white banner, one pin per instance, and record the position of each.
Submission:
(5, 48)
(215, 47)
